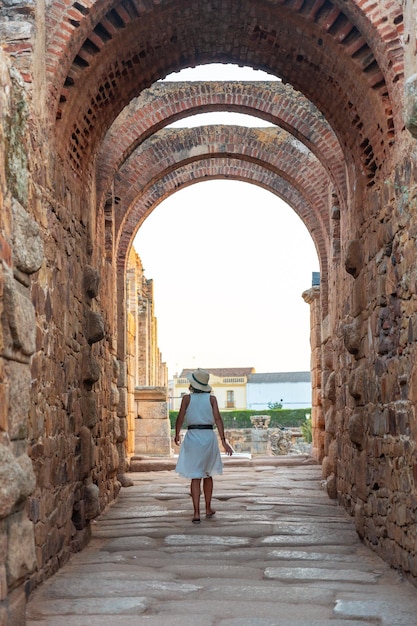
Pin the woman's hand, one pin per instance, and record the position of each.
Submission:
(228, 448)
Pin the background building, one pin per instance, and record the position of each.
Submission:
(228, 383)
(291, 389)
(242, 388)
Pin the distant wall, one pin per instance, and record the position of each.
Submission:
(293, 395)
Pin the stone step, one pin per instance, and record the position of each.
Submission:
(142, 463)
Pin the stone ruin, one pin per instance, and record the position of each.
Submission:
(260, 440)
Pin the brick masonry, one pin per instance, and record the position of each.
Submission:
(85, 157)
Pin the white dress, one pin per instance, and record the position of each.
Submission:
(199, 455)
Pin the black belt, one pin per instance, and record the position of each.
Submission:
(201, 426)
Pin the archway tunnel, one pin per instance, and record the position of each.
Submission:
(87, 153)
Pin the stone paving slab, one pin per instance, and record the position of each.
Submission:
(277, 553)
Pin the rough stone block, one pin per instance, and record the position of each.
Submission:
(114, 396)
(4, 406)
(19, 377)
(152, 428)
(86, 452)
(330, 420)
(352, 336)
(3, 583)
(330, 388)
(95, 327)
(153, 411)
(88, 406)
(28, 251)
(90, 369)
(358, 385)
(122, 377)
(123, 425)
(18, 321)
(16, 612)
(9, 481)
(113, 460)
(123, 403)
(21, 557)
(356, 427)
(91, 281)
(353, 259)
(92, 502)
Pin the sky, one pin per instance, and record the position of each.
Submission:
(229, 263)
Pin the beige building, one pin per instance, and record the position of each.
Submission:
(229, 387)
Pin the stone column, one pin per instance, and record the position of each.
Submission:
(153, 428)
(260, 439)
(312, 297)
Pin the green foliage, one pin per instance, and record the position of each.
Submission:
(306, 429)
(280, 418)
(274, 405)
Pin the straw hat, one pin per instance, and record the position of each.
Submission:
(199, 380)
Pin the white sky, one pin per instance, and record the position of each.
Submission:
(229, 261)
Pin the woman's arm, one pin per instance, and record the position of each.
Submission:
(180, 418)
(220, 426)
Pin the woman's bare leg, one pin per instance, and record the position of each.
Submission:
(195, 495)
(208, 492)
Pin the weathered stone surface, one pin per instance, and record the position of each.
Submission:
(91, 281)
(90, 368)
(122, 374)
(19, 379)
(92, 501)
(89, 410)
(21, 559)
(114, 396)
(331, 486)
(17, 320)
(10, 477)
(225, 566)
(353, 260)
(330, 387)
(86, 452)
(113, 460)
(27, 240)
(123, 403)
(352, 336)
(356, 427)
(359, 385)
(123, 428)
(95, 327)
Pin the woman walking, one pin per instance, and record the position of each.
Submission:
(199, 457)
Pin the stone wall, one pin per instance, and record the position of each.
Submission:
(21, 255)
(371, 388)
(63, 423)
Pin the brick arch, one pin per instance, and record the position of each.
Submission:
(273, 149)
(275, 102)
(344, 60)
(220, 167)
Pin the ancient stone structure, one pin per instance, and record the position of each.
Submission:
(85, 157)
(149, 430)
